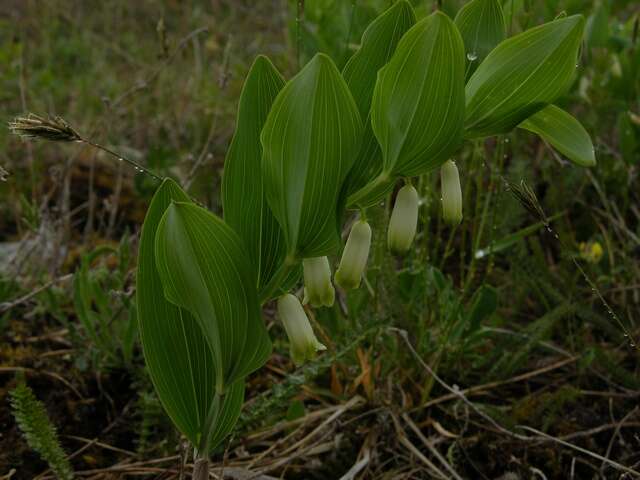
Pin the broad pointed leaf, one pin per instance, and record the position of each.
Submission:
(564, 132)
(310, 141)
(227, 415)
(417, 109)
(521, 76)
(379, 42)
(482, 26)
(205, 270)
(597, 26)
(244, 203)
(177, 356)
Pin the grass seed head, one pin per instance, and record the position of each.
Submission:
(53, 128)
(528, 199)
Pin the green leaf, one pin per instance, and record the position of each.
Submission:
(378, 44)
(205, 269)
(310, 141)
(482, 26)
(227, 416)
(597, 26)
(244, 204)
(512, 239)
(417, 109)
(175, 351)
(521, 76)
(178, 357)
(562, 131)
(485, 303)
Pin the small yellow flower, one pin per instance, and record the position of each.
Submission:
(591, 252)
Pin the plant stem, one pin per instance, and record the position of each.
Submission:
(201, 468)
(351, 18)
(134, 164)
(378, 182)
(201, 462)
(299, 18)
(270, 288)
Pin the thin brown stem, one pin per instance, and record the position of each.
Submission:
(122, 158)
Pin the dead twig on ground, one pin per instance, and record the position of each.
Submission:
(614, 464)
(6, 306)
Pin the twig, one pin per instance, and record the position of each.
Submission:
(145, 82)
(299, 18)
(358, 466)
(343, 408)
(431, 448)
(203, 153)
(42, 372)
(6, 306)
(23, 100)
(487, 386)
(106, 446)
(615, 434)
(617, 465)
(455, 391)
(402, 437)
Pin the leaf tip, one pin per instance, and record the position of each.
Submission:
(261, 61)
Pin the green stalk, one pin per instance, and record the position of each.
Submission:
(378, 182)
(274, 283)
(498, 154)
(201, 462)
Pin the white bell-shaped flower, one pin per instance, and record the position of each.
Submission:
(354, 256)
(318, 290)
(404, 220)
(451, 193)
(303, 342)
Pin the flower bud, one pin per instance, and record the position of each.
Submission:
(303, 343)
(354, 256)
(318, 290)
(451, 193)
(404, 220)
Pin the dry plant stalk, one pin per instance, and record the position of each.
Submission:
(56, 129)
(528, 199)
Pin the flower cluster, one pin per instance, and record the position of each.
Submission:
(318, 289)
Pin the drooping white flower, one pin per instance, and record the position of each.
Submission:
(404, 220)
(318, 290)
(354, 256)
(302, 341)
(451, 193)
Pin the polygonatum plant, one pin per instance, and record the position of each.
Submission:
(307, 151)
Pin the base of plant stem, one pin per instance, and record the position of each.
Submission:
(201, 469)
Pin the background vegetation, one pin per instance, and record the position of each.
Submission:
(503, 327)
